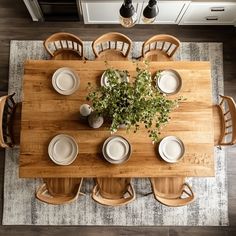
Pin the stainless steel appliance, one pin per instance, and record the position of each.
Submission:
(54, 10)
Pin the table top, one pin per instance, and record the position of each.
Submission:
(46, 113)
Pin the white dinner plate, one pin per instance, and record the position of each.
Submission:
(116, 150)
(168, 81)
(63, 149)
(171, 149)
(65, 81)
(123, 77)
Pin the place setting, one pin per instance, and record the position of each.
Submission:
(168, 81)
(116, 150)
(63, 149)
(65, 81)
(171, 149)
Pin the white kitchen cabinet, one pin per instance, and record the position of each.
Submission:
(170, 12)
(105, 12)
(210, 13)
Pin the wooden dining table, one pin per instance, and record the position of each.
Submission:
(46, 113)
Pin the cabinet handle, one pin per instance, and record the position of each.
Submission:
(213, 18)
(214, 9)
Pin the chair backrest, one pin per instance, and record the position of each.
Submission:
(63, 41)
(227, 108)
(172, 191)
(112, 41)
(7, 106)
(162, 42)
(113, 191)
(59, 190)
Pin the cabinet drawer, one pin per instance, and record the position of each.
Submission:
(220, 13)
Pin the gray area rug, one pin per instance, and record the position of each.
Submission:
(21, 207)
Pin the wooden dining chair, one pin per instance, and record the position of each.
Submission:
(113, 191)
(160, 47)
(112, 46)
(172, 191)
(58, 191)
(10, 118)
(64, 46)
(225, 122)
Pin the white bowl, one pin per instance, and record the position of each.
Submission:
(116, 149)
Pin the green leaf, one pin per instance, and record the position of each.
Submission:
(133, 103)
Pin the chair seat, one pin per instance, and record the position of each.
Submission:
(113, 191)
(44, 196)
(113, 188)
(64, 46)
(66, 55)
(58, 191)
(160, 47)
(172, 191)
(111, 55)
(112, 46)
(168, 187)
(157, 55)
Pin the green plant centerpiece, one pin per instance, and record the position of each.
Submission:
(132, 103)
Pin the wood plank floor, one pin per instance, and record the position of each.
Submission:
(15, 23)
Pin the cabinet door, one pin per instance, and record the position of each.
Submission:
(170, 12)
(210, 13)
(34, 10)
(104, 12)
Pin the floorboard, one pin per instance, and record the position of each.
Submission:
(196, 231)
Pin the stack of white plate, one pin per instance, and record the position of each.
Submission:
(65, 81)
(171, 149)
(63, 149)
(169, 81)
(116, 150)
(123, 77)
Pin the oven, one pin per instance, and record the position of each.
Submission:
(54, 10)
